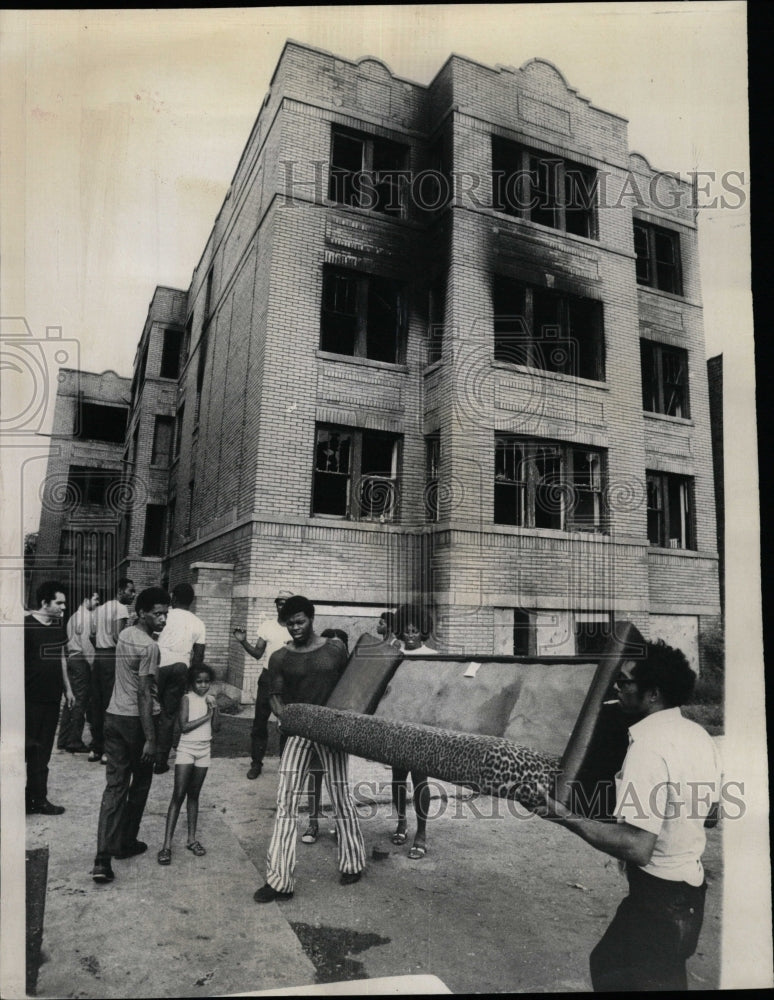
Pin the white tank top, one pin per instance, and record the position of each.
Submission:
(198, 738)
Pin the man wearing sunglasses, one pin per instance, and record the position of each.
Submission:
(665, 791)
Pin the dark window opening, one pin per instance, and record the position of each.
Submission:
(523, 633)
(362, 316)
(670, 510)
(93, 486)
(664, 379)
(549, 330)
(170, 354)
(367, 172)
(548, 485)
(658, 257)
(153, 539)
(592, 633)
(102, 423)
(355, 474)
(162, 440)
(543, 188)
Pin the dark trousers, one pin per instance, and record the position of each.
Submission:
(127, 783)
(103, 675)
(39, 731)
(71, 724)
(655, 930)
(259, 734)
(172, 682)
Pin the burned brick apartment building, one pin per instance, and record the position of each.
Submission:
(444, 343)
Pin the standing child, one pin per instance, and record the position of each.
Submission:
(199, 718)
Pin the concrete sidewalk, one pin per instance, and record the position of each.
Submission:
(502, 902)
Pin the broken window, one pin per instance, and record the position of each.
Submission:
(670, 510)
(153, 540)
(102, 423)
(170, 354)
(664, 379)
(658, 257)
(544, 188)
(541, 484)
(355, 474)
(92, 486)
(550, 330)
(367, 172)
(362, 315)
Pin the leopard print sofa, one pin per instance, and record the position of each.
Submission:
(489, 764)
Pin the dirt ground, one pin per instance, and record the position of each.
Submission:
(502, 903)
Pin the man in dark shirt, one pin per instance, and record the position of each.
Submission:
(306, 672)
(45, 679)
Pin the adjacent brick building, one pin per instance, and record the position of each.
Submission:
(444, 343)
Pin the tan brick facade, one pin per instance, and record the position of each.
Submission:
(255, 384)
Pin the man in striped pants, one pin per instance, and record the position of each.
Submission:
(305, 671)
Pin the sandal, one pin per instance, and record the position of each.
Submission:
(197, 849)
(399, 837)
(310, 835)
(417, 852)
(164, 856)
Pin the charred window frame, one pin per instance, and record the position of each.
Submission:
(548, 484)
(356, 474)
(553, 331)
(671, 522)
(547, 189)
(664, 379)
(658, 257)
(362, 316)
(367, 172)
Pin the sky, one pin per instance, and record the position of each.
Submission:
(122, 129)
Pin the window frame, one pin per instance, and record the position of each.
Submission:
(538, 173)
(154, 531)
(548, 501)
(514, 330)
(653, 358)
(92, 416)
(647, 264)
(658, 485)
(369, 186)
(365, 289)
(353, 507)
(163, 460)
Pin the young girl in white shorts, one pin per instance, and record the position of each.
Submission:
(199, 718)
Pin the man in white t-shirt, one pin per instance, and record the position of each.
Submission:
(111, 618)
(181, 644)
(665, 791)
(271, 635)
